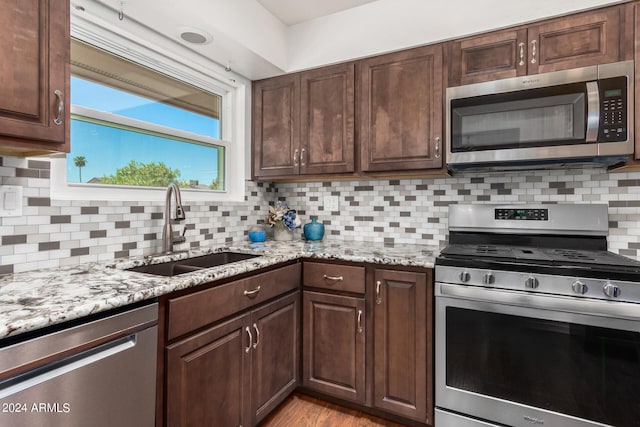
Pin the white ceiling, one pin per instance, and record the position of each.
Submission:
(291, 12)
(264, 38)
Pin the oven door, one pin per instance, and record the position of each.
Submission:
(522, 359)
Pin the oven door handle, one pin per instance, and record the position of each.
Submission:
(578, 305)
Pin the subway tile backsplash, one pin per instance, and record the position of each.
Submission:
(55, 233)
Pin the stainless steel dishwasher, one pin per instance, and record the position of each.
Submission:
(101, 374)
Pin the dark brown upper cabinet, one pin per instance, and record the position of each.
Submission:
(582, 39)
(637, 83)
(326, 109)
(303, 124)
(276, 126)
(34, 101)
(400, 108)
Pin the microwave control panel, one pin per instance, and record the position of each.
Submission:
(613, 110)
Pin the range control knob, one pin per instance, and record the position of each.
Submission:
(488, 279)
(611, 290)
(465, 276)
(531, 283)
(579, 287)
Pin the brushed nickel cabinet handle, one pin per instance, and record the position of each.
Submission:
(302, 163)
(360, 321)
(533, 51)
(247, 349)
(255, 327)
(252, 293)
(378, 298)
(58, 118)
(521, 46)
(437, 147)
(333, 278)
(295, 157)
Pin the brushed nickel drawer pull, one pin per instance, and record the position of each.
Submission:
(359, 321)
(521, 46)
(378, 298)
(248, 348)
(255, 344)
(533, 51)
(334, 278)
(252, 293)
(58, 118)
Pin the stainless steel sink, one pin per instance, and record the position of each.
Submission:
(174, 268)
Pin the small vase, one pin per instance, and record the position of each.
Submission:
(257, 234)
(282, 234)
(314, 230)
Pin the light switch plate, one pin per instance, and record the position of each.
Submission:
(10, 200)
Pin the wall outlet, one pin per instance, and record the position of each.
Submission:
(10, 200)
(331, 203)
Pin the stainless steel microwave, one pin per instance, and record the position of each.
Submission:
(578, 116)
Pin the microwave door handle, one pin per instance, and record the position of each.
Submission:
(593, 111)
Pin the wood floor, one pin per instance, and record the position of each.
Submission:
(304, 411)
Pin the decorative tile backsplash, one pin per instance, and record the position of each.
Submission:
(51, 233)
(410, 211)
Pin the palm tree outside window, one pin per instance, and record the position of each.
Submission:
(80, 162)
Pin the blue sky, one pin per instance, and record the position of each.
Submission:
(106, 148)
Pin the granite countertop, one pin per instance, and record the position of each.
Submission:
(40, 298)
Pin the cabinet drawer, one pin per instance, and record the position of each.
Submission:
(333, 276)
(201, 308)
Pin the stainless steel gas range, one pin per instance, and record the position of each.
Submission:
(536, 322)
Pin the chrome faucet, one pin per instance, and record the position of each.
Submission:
(167, 233)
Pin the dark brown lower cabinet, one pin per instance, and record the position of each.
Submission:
(275, 354)
(402, 373)
(234, 373)
(334, 345)
(208, 377)
(388, 367)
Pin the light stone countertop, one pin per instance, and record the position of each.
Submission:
(41, 298)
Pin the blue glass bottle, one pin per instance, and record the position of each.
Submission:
(313, 230)
(257, 234)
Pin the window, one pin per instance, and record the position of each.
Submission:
(142, 116)
(132, 126)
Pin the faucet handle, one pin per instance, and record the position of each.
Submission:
(181, 238)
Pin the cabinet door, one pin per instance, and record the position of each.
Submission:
(327, 120)
(498, 55)
(578, 40)
(401, 110)
(208, 377)
(402, 357)
(34, 46)
(637, 80)
(276, 126)
(275, 354)
(334, 345)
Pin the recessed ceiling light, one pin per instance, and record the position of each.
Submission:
(194, 35)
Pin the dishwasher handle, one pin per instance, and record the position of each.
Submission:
(59, 344)
(58, 368)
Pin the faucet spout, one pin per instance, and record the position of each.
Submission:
(167, 232)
